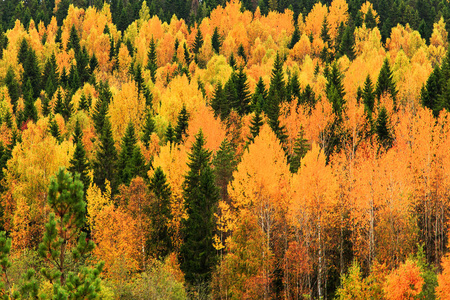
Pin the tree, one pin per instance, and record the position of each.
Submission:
(277, 95)
(152, 60)
(106, 159)
(219, 102)
(352, 284)
(130, 163)
(160, 215)
(335, 90)
(182, 125)
(383, 129)
(301, 147)
(29, 112)
(295, 37)
(74, 40)
(197, 254)
(224, 162)
(54, 129)
(198, 42)
(256, 123)
(216, 41)
(79, 163)
(242, 101)
(405, 282)
(385, 82)
(65, 197)
(149, 128)
(13, 87)
(368, 96)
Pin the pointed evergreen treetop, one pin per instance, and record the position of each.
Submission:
(198, 42)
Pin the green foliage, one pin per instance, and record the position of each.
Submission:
(301, 146)
(149, 128)
(385, 82)
(225, 163)
(368, 96)
(198, 42)
(65, 198)
(295, 37)
(152, 63)
(352, 284)
(197, 254)
(105, 161)
(182, 125)
(216, 41)
(79, 163)
(160, 243)
(13, 87)
(383, 129)
(131, 162)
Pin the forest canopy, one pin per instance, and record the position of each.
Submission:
(244, 150)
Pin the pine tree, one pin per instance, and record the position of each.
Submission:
(368, 95)
(160, 215)
(385, 83)
(241, 52)
(326, 54)
(277, 95)
(54, 129)
(256, 123)
(23, 51)
(432, 91)
(347, 44)
(106, 159)
(65, 198)
(301, 147)
(29, 112)
(232, 61)
(149, 128)
(197, 254)
(74, 40)
(32, 72)
(198, 42)
(170, 134)
(219, 103)
(225, 162)
(152, 60)
(242, 101)
(216, 41)
(259, 96)
(13, 87)
(79, 163)
(369, 19)
(126, 167)
(83, 105)
(67, 107)
(294, 88)
(59, 104)
(295, 37)
(335, 90)
(50, 76)
(74, 79)
(182, 125)
(99, 115)
(383, 129)
(187, 55)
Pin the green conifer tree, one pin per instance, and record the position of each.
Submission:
(65, 198)
(385, 83)
(225, 162)
(106, 159)
(160, 215)
(152, 60)
(125, 166)
(368, 95)
(295, 37)
(170, 134)
(198, 42)
(197, 254)
(301, 146)
(149, 128)
(182, 125)
(216, 41)
(13, 87)
(79, 163)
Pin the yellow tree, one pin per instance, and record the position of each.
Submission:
(261, 186)
(314, 196)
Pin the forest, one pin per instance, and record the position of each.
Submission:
(271, 149)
